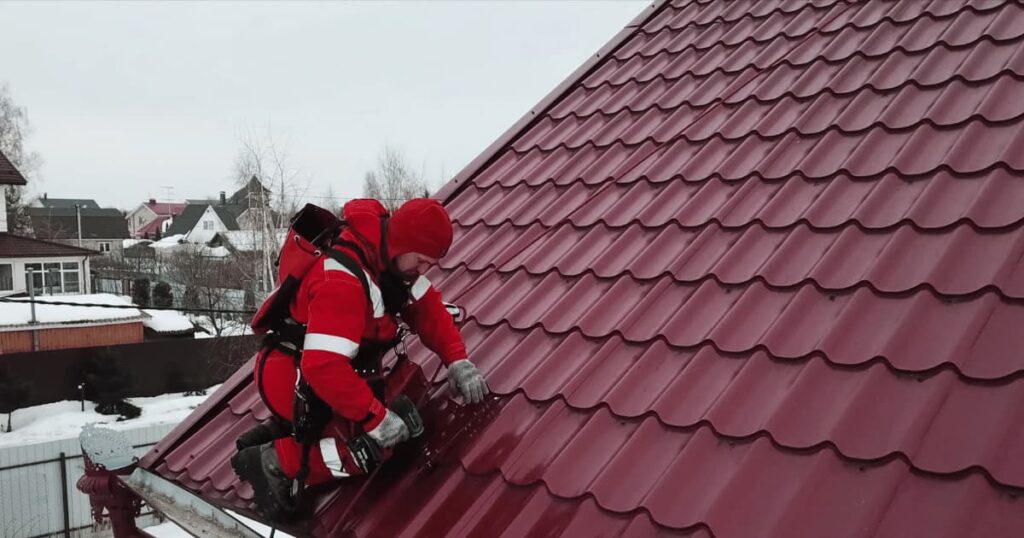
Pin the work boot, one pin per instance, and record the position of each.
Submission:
(264, 432)
(271, 489)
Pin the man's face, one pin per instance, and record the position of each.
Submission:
(413, 264)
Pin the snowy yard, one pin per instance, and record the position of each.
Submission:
(64, 420)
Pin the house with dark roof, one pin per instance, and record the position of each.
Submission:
(49, 267)
(45, 201)
(102, 230)
(65, 203)
(52, 268)
(151, 219)
(202, 220)
(199, 223)
(754, 269)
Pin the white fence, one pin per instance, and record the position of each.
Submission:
(38, 493)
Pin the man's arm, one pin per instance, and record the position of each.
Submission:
(428, 318)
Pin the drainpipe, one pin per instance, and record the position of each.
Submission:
(78, 213)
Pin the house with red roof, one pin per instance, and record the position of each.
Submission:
(151, 219)
(754, 269)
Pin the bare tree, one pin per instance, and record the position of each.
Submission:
(14, 129)
(394, 181)
(208, 283)
(274, 190)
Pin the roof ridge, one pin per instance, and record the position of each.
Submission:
(835, 29)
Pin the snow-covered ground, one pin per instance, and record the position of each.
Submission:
(170, 530)
(64, 420)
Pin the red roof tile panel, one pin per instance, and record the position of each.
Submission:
(754, 272)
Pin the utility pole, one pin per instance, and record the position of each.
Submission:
(78, 213)
(32, 306)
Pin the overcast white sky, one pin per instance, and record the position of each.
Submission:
(126, 98)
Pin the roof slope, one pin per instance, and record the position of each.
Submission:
(68, 203)
(166, 208)
(187, 219)
(16, 246)
(9, 175)
(754, 272)
(62, 223)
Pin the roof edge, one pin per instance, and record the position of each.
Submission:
(72, 250)
(457, 183)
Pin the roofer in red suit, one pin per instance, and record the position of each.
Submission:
(345, 318)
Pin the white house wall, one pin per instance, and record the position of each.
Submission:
(19, 271)
(140, 217)
(201, 235)
(3, 216)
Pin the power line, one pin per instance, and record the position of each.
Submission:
(100, 305)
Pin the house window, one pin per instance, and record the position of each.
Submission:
(55, 277)
(104, 246)
(207, 224)
(6, 277)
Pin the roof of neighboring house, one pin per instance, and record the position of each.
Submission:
(16, 246)
(9, 175)
(165, 209)
(229, 215)
(62, 223)
(187, 220)
(15, 315)
(252, 187)
(754, 270)
(153, 227)
(68, 203)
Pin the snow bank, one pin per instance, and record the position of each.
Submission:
(20, 314)
(64, 420)
(167, 321)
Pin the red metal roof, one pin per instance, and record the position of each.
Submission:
(152, 228)
(166, 209)
(753, 271)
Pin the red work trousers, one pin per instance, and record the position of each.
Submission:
(330, 458)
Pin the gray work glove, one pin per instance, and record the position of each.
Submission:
(391, 431)
(465, 379)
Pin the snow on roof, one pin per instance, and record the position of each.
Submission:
(20, 313)
(215, 252)
(249, 240)
(167, 321)
(170, 241)
(128, 243)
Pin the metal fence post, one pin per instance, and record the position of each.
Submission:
(64, 493)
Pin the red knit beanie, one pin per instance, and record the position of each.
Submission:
(420, 225)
